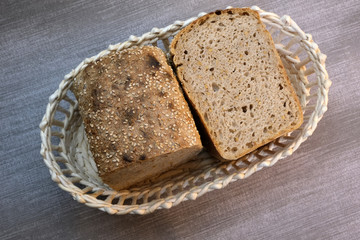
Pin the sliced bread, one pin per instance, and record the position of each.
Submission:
(231, 73)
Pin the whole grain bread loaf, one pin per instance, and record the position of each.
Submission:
(136, 119)
(233, 76)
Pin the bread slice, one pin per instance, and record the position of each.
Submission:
(136, 119)
(233, 76)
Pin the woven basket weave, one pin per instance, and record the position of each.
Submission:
(66, 152)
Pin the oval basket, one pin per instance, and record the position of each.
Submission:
(66, 153)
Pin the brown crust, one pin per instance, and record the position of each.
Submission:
(209, 143)
(133, 109)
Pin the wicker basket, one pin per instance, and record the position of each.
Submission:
(66, 153)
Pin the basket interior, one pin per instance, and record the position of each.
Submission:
(74, 164)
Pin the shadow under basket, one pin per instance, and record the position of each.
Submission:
(66, 151)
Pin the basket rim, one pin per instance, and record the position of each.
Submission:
(285, 22)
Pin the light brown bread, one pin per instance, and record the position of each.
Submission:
(232, 74)
(136, 119)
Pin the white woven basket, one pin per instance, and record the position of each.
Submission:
(66, 153)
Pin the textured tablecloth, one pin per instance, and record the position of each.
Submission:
(314, 194)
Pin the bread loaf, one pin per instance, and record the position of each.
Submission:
(233, 76)
(136, 119)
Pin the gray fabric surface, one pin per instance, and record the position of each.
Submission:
(314, 194)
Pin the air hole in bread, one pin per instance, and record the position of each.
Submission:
(215, 87)
(252, 78)
(285, 104)
(246, 53)
(244, 109)
(206, 118)
(244, 63)
(234, 149)
(272, 116)
(265, 130)
(221, 24)
(246, 74)
(249, 144)
(211, 69)
(253, 134)
(230, 12)
(251, 107)
(251, 115)
(232, 130)
(254, 35)
(185, 52)
(246, 14)
(218, 12)
(281, 87)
